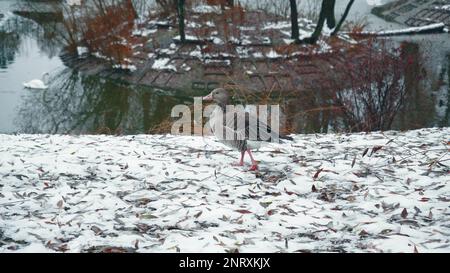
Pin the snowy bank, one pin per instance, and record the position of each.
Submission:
(378, 192)
(429, 29)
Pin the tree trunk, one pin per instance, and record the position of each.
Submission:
(294, 20)
(180, 9)
(326, 15)
(328, 8)
(344, 17)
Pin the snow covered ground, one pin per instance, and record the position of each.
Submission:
(378, 192)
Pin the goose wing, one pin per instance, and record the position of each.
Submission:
(242, 125)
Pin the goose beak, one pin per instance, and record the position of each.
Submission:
(208, 98)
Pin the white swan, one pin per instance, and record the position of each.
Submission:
(37, 84)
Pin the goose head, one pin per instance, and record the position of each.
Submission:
(218, 95)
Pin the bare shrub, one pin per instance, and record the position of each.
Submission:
(371, 88)
(167, 7)
(108, 30)
(309, 9)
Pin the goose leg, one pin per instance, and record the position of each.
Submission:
(254, 166)
(241, 162)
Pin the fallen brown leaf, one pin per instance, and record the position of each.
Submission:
(244, 211)
(365, 152)
(317, 173)
(404, 213)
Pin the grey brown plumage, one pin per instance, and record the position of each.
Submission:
(238, 135)
(237, 128)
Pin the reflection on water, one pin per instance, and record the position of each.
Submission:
(8, 48)
(418, 110)
(428, 102)
(443, 94)
(87, 104)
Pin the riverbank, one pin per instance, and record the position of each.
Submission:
(415, 13)
(233, 47)
(376, 192)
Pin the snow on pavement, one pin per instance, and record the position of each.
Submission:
(377, 192)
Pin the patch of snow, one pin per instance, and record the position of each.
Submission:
(245, 41)
(128, 67)
(374, 2)
(207, 9)
(414, 29)
(304, 34)
(266, 41)
(187, 37)
(143, 32)
(159, 23)
(235, 40)
(326, 31)
(5, 18)
(273, 54)
(82, 50)
(258, 55)
(73, 2)
(163, 193)
(407, 30)
(185, 67)
(193, 25)
(247, 28)
(217, 61)
(277, 25)
(100, 56)
(163, 64)
(217, 41)
(242, 51)
(168, 51)
(323, 47)
(197, 53)
(286, 32)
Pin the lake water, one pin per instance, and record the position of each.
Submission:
(88, 104)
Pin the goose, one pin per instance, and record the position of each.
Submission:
(223, 124)
(38, 84)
